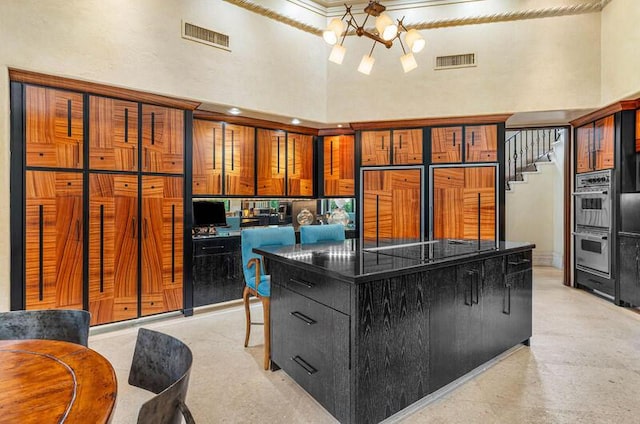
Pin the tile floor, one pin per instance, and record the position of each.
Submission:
(583, 366)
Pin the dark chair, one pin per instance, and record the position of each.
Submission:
(256, 282)
(52, 324)
(320, 233)
(162, 364)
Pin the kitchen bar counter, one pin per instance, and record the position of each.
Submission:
(367, 332)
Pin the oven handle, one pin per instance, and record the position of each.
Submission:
(587, 193)
(590, 236)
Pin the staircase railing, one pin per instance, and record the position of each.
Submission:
(527, 147)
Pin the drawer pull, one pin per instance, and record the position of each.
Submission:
(520, 262)
(208, 248)
(303, 317)
(304, 364)
(302, 283)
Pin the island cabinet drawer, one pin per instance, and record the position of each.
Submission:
(212, 246)
(328, 291)
(310, 342)
(517, 262)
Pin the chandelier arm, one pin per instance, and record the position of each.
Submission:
(374, 37)
(372, 47)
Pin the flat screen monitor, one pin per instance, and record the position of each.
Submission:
(209, 213)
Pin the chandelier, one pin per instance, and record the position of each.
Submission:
(386, 32)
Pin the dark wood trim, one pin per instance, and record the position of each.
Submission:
(253, 122)
(501, 189)
(30, 77)
(606, 111)
(430, 122)
(16, 201)
(187, 243)
(335, 131)
(568, 188)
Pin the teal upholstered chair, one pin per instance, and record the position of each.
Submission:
(257, 283)
(320, 233)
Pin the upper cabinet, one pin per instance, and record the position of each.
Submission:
(239, 167)
(53, 128)
(113, 134)
(481, 143)
(162, 140)
(594, 145)
(446, 145)
(207, 157)
(271, 164)
(396, 147)
(375, 148)
(339, 165)
(407, 147)
(299, 165)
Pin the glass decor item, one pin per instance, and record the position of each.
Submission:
(339, 216)
(305, 217)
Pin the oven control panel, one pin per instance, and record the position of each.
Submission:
(593, 180)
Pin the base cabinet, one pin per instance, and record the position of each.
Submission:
(217, 270)
(629, 273)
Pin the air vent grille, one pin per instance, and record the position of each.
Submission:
(204, 35)
(456, 61)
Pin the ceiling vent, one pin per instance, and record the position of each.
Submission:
(206, 36)
(456, 61)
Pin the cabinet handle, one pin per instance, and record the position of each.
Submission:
(304, 364)
(303, 317)
(473, 138)
(153, 128)
(40, 252)
(474, 280)
(209, 248)
(232, 151)
(69, 118)
(469, 302)
(382, 142)
(214, 148)
(454, 139)
(401, 142)
(331, 156)
(507, 310)
(520, 262)
(126, 124)
(173, 243)
(133, 228)
(302, 283)
(101, 248)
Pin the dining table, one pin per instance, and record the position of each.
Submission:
(50, 381)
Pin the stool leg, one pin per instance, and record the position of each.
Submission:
(247, 313)
(266, 306)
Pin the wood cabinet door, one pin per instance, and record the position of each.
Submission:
(407, 147)
(53, 128)
(162, 140)
(339, 166)
(603, 142)
(479, 210)
(239, 166)
(448, 201)
(481, 143)
(446, 145)
(113, 247)
(584, 158)
(272, 167)
(162, 244)
(375, 148)
(299, 165)
(629, 273)
(53, 240)
(207, 157)
(113, 134)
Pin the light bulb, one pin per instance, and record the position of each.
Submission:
(333, 31)
(337, 54)
(366, 64)
(414, 40)
(330, 37)
(408, 62)
(385, 27)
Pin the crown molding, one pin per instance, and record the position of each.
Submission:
(606, 111)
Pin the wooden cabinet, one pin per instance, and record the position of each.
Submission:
(629, 270)
(339, 165)
(481, 143)
(392, 206)
(53, 128)
(446, 145)
(162, 140)
(239, 166)
(162, 240)
(207, 157)
(53, 240)
(464, 202)
(271, 163)
(299, 165)
(375, 148)
(407, 147)
(113, 247)
(595, 145)
(113, 134)
(584, 158)
(217, 270)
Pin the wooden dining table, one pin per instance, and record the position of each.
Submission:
(48, 381)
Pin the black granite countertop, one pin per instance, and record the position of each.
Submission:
(350, 262)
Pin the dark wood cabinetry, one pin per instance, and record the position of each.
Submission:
(339, 165)
(458, 192)
(239, 167)
(113, 247)
(595, 145)
(377, 147)
(299, 165)
(217, 270)
(54, 125)
(162, 140)
(629, 271)
(446, 145)
(481, 143)
(207, 157)
(113, 134)
(271, 162)
(53, 240)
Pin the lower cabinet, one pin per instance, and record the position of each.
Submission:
(629, 273)
(217, 270)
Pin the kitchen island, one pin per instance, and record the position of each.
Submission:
(369, 331)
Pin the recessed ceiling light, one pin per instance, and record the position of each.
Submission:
(295, 121)
(235, 111)
(339, 125)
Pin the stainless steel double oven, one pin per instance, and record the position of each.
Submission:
(593, 220)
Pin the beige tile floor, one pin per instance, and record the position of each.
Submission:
(583, 366)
